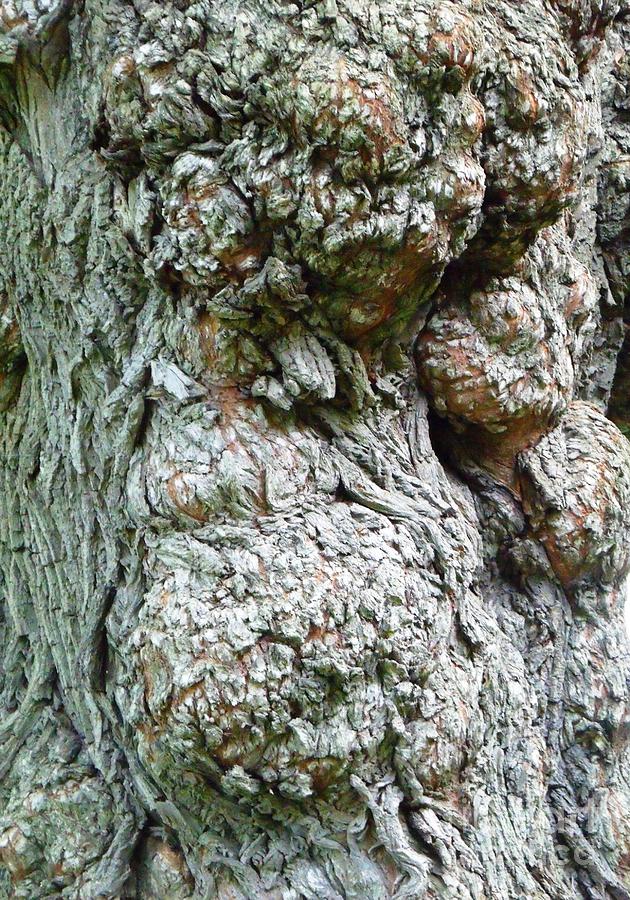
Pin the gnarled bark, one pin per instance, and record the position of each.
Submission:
(314, 524)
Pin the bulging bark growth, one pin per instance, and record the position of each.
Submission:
(314, 514)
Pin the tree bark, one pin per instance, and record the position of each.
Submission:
(315, 497)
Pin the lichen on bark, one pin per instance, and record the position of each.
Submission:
(314, 509)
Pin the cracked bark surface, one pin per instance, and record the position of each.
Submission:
(314, 495)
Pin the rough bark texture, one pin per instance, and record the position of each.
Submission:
(313, 525)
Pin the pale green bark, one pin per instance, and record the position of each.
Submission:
(313, 529)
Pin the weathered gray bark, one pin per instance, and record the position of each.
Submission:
(313, 528)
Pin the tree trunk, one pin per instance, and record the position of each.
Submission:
(313, 515)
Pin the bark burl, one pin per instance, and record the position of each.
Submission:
(314, 496)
